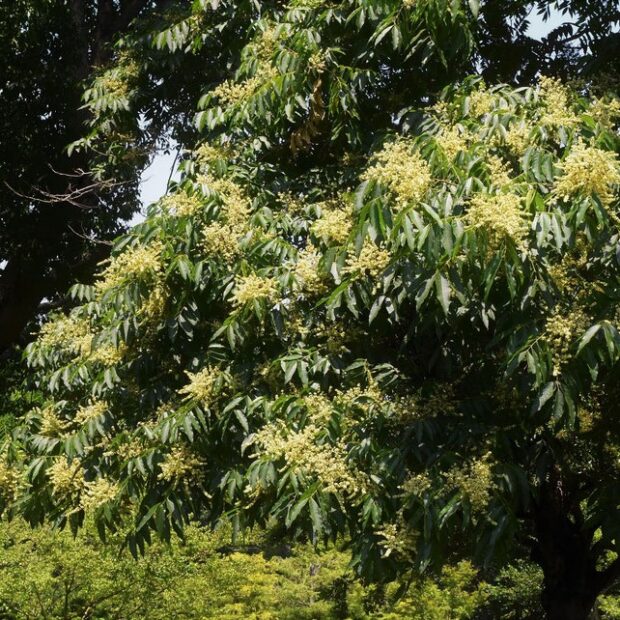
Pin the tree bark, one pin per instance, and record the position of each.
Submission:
(563, 549)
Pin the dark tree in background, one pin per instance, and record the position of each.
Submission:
(51, 223)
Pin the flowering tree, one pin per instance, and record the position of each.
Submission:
(406, 333)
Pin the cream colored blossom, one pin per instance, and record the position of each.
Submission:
(335, 336)
(333, 225)
(51, 424)
(203, 385)
(319, 408)
(317, 62)
(70, 333)
(499, 171)
(128, 450)
(108, 354)
(179, 464)
(561, 331)
(181, 204)
(416, 485)
(556, 101)
(65, 477)
(359, 395)
(452, 140)
(253, 288)
(152, 308)
(398, 539)
(208, 153)
(137, 262)
(405, 408)
(481, 102)
(231, 93)
(500, 215)
(98, 493)
(518, 137)
(605, 112)
(90, 412)
(474, 480)
(9, 479)
(300, 450)
(221, 240)
(588, 170)
(235, 202)
(307, 271)
(372, 260)
(402, 170)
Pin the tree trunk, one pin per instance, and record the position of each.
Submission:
(563, 549)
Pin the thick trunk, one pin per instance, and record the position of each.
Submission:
(564, 551)
(561, 605)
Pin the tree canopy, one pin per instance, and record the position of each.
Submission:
(381, 302)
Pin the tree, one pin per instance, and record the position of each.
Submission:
(367, 309)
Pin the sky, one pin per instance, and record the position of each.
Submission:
(155, 177)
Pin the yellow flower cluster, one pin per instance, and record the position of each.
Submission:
(221, 240)
(128, 450)
(499, 171)
(236, 204)
(70, 333)
(90, 412)
(333, 225)
(403, 170)
(179, 463)
(405, 408)
(299, 450)
(605, 112)
(416, 485)
(398, 539)
(561, 330)
(589, 170)
(518, 137)
(136, 262)
(441, 402)
(293, 204)
(319, 408)
(252, 288)
(556, 99)
(474, 481)
(335, 335)
(307, 271)
(202, 386)
(98, 493)
(181, 204)
(51, 424)
(500, 215)
(481, 102)
(452, 140)
(372, 260)
(317, 62)
(108, 354)
(9, 479)
(65, 477)
(153, 307)
(357, 394)
(207, 153)
(231, 93)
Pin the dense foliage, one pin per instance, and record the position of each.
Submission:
(424, 354)
(371, 307)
